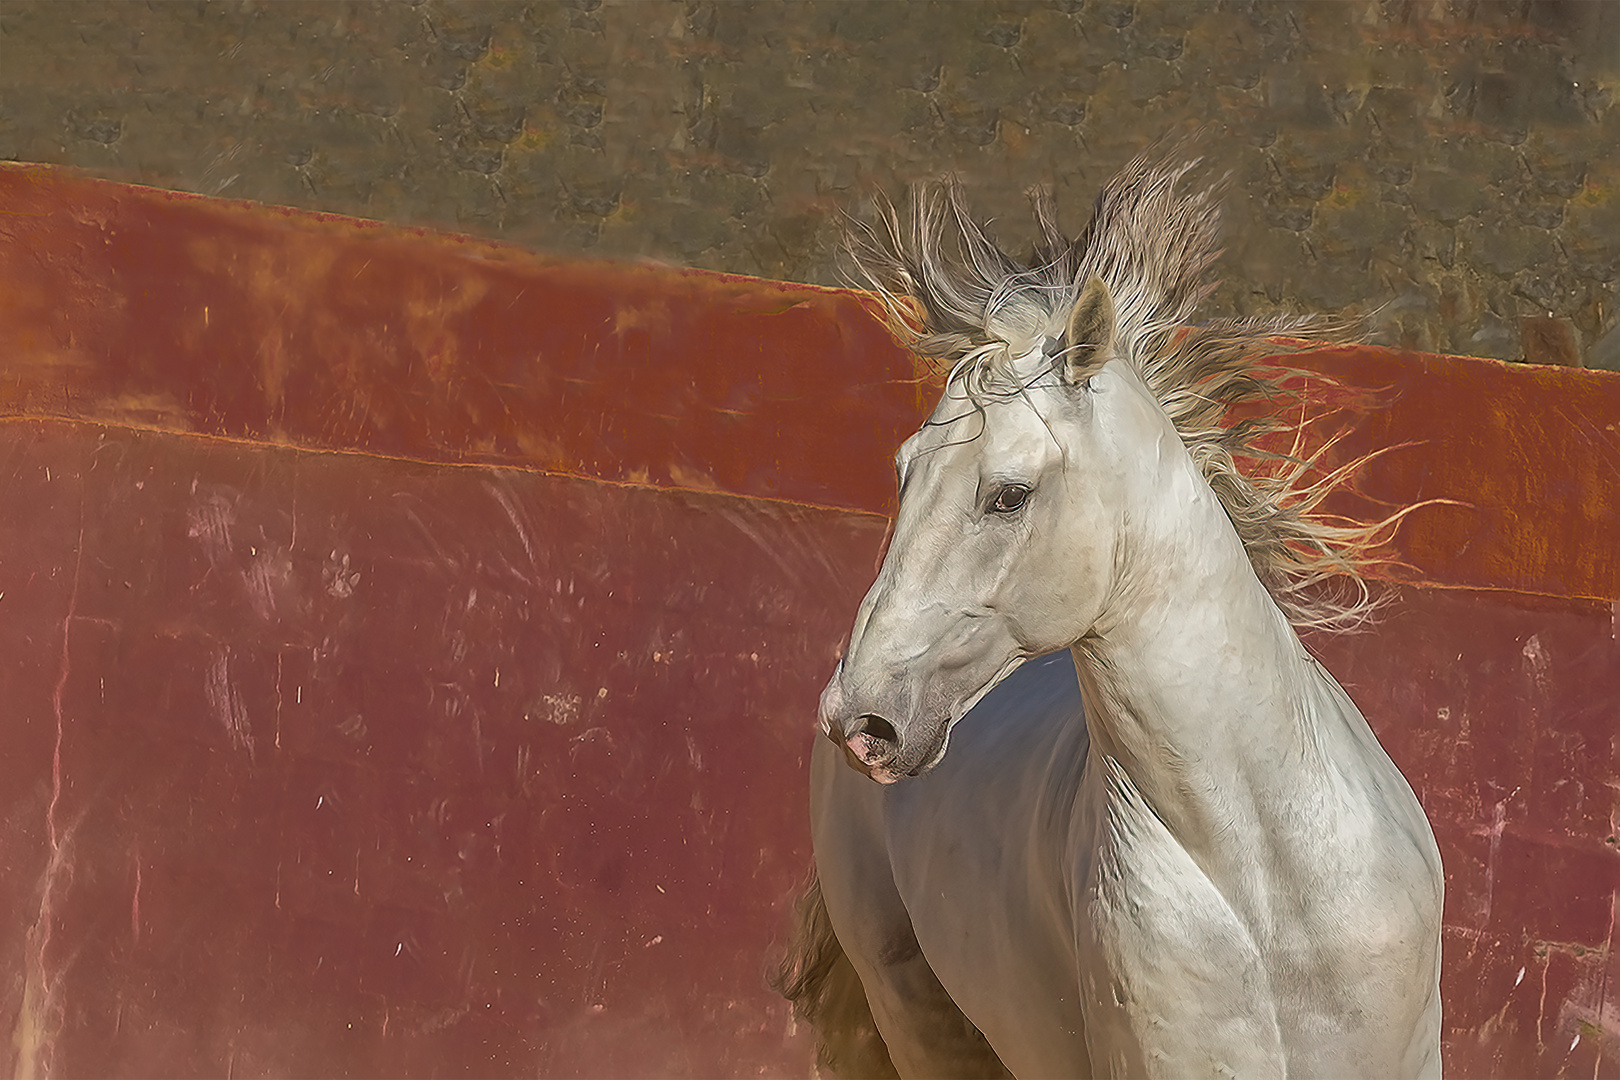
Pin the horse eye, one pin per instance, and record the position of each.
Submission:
(1009, 499)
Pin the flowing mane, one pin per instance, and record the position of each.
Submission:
(955, 297)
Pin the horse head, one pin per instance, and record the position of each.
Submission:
(1083, 420)
(1013, 498)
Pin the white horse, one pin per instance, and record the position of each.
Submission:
(1213, 868)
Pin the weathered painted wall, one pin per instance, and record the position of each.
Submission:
(410, 649)
(335, 765)
(1455, 160)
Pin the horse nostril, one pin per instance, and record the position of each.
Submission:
(876, 727)
(870, 742)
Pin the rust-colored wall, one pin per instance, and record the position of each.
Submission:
(410, 649)
(184, 314)
(322, 764)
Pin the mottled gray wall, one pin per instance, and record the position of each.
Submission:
(1456, 161)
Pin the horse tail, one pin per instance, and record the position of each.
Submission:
(817, 977)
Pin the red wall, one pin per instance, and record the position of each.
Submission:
(330, 754)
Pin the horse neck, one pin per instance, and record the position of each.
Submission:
(1197, 686)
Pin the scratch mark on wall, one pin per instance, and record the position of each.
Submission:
(270, 568)
(292, 545)
(1541, 1008)
(135, 901)
(278, 700)
(1498, 822)
(516, 517)
(40, 1013)
(439, 552)
(226, 701)
(209, 523)
(1535, 655)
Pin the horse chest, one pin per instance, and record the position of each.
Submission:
(1175, 982)
(1172, 983)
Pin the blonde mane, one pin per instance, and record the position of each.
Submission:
(953, 296)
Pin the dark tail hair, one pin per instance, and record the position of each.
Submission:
(817, 977)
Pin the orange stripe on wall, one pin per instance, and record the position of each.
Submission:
(1533, 452)
(130, 305)
(140, 307)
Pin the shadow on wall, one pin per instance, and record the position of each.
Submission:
(1454, 165)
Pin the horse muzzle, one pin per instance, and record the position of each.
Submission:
(871, 742)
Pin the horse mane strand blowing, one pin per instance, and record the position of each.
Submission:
(952, 295)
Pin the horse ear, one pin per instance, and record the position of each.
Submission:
(1090, 335)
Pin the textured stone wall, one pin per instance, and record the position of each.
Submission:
(1455, 165)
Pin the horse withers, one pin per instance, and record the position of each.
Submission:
(1177, 849)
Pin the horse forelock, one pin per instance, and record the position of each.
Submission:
(955, 297)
